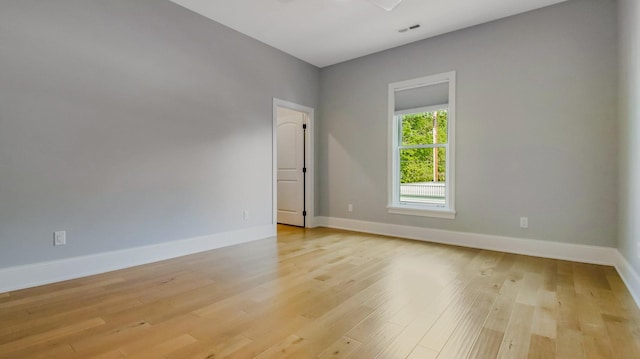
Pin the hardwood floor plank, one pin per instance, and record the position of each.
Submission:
(454, 297)
(623, 343)
(596, 347)
(502, 308)
(25, 342)
(487, 344)
(377, 341)
(423, 353)
(517, 337)
(221, 347)
(266, 336)
(596, 341)
(544, 318)
(340, 349)
(541, 347)
(162, 349)
(462, 339)
(570, 344)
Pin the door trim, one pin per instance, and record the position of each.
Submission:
(309, 156)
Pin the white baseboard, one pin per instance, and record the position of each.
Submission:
(312, 222)
(630, 277)
(36, 274)
(532, 247)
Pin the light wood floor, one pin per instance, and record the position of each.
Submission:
(330, 294)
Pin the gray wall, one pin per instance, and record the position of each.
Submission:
(129, 123)
(536, 125)
(629, 236)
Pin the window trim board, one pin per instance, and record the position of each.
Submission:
(393, 192)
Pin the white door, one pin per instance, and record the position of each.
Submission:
(290, 138)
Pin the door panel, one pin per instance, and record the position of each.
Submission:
(290, 164)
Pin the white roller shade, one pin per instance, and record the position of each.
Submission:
(424, 96)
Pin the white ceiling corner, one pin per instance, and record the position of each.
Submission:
(326, 32)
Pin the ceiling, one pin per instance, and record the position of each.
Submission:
(326, 32)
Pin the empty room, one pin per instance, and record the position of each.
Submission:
(320, 179)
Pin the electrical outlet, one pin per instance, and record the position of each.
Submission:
(524, 222)
(59, 238)
(245, 215)
(350, 207)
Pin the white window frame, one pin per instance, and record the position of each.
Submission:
(446, 211)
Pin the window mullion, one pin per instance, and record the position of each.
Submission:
(435, 145)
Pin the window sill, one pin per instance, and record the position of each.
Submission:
(434, 212)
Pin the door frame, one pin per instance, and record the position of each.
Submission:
(309, 192)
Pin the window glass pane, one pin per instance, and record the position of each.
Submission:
(423, 175)
(418, 128)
